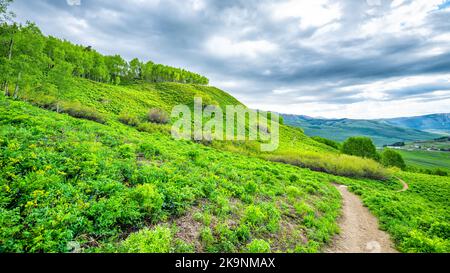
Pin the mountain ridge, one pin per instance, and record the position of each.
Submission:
(382, 131)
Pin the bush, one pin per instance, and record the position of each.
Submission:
(439, 172)
(391, 158)
(157, 115)
(360, 146)
(157, 240)
(77, 110)
(149, 199)
(254, 215)
(258, 246)
(129, 119)
(328, 142)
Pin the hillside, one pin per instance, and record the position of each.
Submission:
(68, 180)
(436, 123)
(381, 132)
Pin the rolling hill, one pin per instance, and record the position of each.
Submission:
(382, 132)
(436, 123)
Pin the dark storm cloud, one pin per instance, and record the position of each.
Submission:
(254, 48)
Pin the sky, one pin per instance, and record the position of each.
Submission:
(322, 58)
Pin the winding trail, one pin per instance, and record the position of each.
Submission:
(405, 186)
(359, 229)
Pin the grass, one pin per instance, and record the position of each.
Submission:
(111, 188)
(427, 159)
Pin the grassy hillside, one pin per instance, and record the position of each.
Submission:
(380, 132)
(427, 159)
(75, 185)
(67, 181)
(110, 102)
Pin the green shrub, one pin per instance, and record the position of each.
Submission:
(360, 146)
(391, 158)
(258, 246)
(158, 240)
(157, 115)
(148, 198)
(262, 217)
(254, 215)
(243, 233)
(148, 150)
(206, 236)
(328, 142)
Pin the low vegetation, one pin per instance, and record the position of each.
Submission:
(110, 188)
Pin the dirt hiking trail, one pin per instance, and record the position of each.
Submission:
(359, 229)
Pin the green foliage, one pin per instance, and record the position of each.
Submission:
(391, 158)
(258, 246)
(31, 60)
(65, 180)
(328, 142)
(360, 146)
(149, 200)
(157, 240)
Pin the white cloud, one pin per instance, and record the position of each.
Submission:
(225, 47)
(73, 2)
(311, 13)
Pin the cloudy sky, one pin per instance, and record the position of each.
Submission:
(355, 58)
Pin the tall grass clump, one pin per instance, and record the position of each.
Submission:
(129, 119)
(77, 110)
(157, 115)
(337, 164)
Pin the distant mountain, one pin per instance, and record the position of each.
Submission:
(382, 132)
(436, 123)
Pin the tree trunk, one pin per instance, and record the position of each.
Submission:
(11, 44)
(6, 89)
(16, 89)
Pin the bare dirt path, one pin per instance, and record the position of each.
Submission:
(359, 229)
(405, 186)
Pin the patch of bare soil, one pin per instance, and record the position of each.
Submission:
(189, 229)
